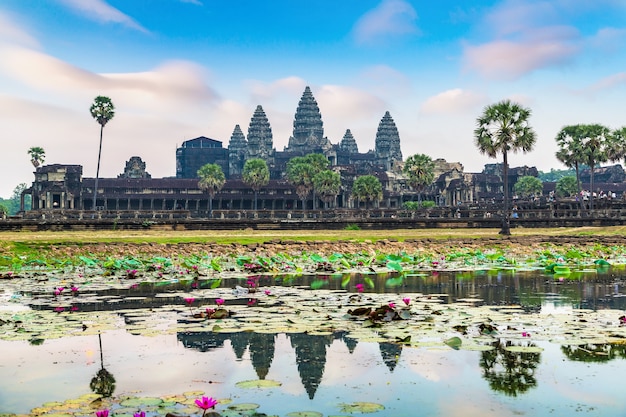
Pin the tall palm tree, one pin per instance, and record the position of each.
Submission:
(37, 155)
(502, 128)
(368, 188)
(102, 110)
(255, 174)
(597, 148)
(420, 172)
(570, 153)
(300, 174)
(327, 183)
(212, 180)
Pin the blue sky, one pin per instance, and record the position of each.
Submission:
(178, 69)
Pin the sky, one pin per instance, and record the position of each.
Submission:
(179, 69)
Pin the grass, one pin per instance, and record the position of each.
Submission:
(41, 239)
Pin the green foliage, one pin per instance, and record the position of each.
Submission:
(556, 174)
(352, 227)
(420, 171)
(566, 186)
(327, 184)
(4, 210)
(367, 188)
(212, 178)
(416, 205)
(37, 155)
(528, 186)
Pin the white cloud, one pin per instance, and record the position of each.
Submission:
(453, 101)
(385, 81)
(12, 33)
(196, 2)
(101, 11)
(390, 17)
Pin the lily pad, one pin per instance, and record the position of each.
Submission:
(258, 383)
(304, 414)
(243, 407)
(361, 407)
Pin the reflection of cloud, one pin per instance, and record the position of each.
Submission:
(390, 17)
(101, 11)
(453, 101)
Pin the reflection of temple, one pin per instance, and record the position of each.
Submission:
(62, 186)
(390, 353)
(310, 351)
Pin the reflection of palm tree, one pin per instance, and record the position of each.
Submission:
(104, 382)
(262, 352)
(511, 373)
(311, 359)
(604, 352)
(390, 353)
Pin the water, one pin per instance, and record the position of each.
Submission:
(321, 372)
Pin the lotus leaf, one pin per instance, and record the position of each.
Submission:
(361, 407)
(258, 383)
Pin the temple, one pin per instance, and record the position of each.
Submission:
(63, 186)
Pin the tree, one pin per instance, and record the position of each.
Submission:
(420, 172)
(368, 188)
(570, 153)
(597, 148)
(327, 183)
(37, 155)
(212, 180)
(256, 175)
(300, 174)
(502, 128)
(566, 186)
(102, 110)
(528, 186)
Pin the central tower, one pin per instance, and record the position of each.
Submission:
(308, 129)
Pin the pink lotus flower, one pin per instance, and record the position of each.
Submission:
(392, 305)
(210, 311)
(406, 300)
(74, 308)
(132, 287)
(194, 284)
(59, 290)
(189, 301)
(102, 413)
(525, 334)
(219, 301)
(360, 287)
(140, 414)
(252, 302)
(205, 403)
(59, 310)
(267, 292)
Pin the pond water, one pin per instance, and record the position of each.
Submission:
(328, 370)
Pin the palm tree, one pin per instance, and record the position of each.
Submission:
(256, 175)
(327, 183)
(212, 180)
(420, 172)
(368, 188)
(102, 110)
(300, 174)
(597, 148)
(37, 155)
(570, 153)
(502, 128)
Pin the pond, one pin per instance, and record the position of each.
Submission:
(435, 343)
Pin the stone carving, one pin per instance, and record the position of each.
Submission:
(260, 140)
(388, 142)
(135, 168)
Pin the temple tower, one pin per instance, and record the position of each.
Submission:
(260, 141)
(348, 144)
(387, 143)
(308, 129)
(236, 152)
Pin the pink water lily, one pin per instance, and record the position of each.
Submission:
(267, 292)
(140, 414)
(219, 301)
(189, 300)
(210, 311)
(392, 305)
(360, 287)
(525, 334)
(205, 403)
(102, 413)
(406, 300)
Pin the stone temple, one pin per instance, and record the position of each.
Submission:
(59, 186)
(308, 137)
